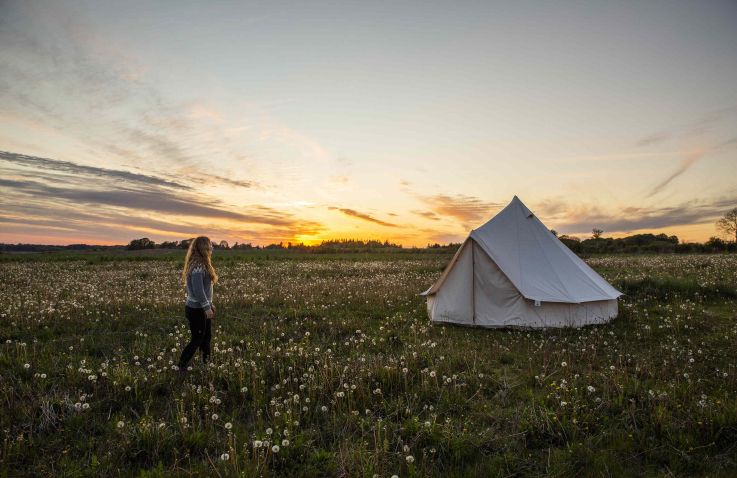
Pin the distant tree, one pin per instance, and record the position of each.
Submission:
(184, 243)
(715, 244)
(169, 245)
(143, 243)
(555, 233)
(223, 245)
(728, 224)
(596, 233)
(573, 243)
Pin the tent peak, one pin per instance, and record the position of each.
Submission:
(525, 209)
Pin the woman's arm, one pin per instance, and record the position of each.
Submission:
(198, 287)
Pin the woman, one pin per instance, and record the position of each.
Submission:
(198, 276)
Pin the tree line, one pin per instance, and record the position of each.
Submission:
(596, 244)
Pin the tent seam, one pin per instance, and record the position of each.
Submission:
(547, 259)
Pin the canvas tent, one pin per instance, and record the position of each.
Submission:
(513, 271)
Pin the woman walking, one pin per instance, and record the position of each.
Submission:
(198, 276)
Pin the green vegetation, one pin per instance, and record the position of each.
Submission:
(332, 359)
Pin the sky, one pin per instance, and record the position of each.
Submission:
(414, 122)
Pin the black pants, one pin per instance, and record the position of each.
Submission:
(201, 330)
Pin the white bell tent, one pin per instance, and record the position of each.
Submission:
(513, 271)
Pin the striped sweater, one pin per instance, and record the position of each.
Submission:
(199, 288)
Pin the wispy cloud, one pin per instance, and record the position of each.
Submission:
(469, 210)
(142, 200)
(687, 162)
(655, 138)
(56, 79)
(427, 215)
(363, 216)
(69, 167)
(706, 123)
(66, 197)
(581, 218)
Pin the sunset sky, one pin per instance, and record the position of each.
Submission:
(409, 121)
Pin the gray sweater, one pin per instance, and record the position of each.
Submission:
(199, 288)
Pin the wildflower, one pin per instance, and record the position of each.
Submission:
(269, 431)
(121, 424)
(410, 459)
(224, 457)
(228, 426)
(590, 389)
(285, 442)
(275, 448)
(244, 389)
(26, 366)
(564, 364)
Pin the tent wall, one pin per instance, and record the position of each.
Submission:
(497, 302)
(453, 302)
(477, 292)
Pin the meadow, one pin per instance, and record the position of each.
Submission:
(328, 366)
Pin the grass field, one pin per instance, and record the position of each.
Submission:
(328, 366)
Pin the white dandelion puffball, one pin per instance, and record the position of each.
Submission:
(275, 448)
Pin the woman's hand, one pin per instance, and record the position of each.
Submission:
(210, 313)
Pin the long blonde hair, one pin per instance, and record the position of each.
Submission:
(199, 254)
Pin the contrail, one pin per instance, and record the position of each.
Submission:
(690, 160)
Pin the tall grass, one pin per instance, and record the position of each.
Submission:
(335, 362)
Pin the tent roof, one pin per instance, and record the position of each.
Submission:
(535, 261)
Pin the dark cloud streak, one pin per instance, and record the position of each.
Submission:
(75, 169)
(360, 215)
(689, 161)
(643, 218)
